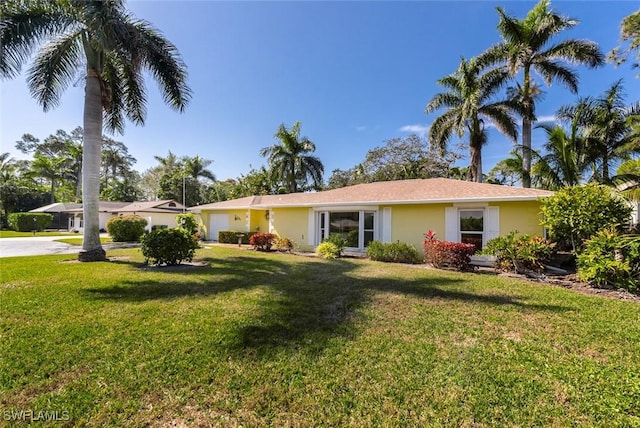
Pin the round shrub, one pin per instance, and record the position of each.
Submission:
(328, 250)
(127, 228)
(168, 246)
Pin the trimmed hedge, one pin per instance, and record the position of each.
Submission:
(394, 252)
(231, 236)
(126, 228)
(168, 246)
(26, 222)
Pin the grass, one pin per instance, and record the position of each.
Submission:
(14, 234)
(258, 339)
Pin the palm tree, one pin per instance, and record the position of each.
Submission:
(168, 163)
(526, 47)
(290, 160)
(611, 135)
(469, 104)
(196, 167)
(52, 169)
(564, 159)
(112, 49)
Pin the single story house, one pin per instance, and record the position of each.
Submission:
(391, 211)
(157, 213)
(60, 212)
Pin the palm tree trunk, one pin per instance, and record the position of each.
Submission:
(91, 247)
(526, 152)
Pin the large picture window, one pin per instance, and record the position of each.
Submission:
(472, 227)
(356, 227)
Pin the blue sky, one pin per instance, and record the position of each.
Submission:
(353, 73)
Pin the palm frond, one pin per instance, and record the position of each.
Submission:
(577, 52)
(164, 62)
(554, 70)
(54, 68)
(24, 27)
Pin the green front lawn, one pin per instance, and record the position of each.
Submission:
(258, 339)
(14, 234)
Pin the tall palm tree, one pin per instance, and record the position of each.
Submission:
(112, 49)
(527, 46)
(290, 160)
(469, 103)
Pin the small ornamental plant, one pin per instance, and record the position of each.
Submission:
(444, 253)
(262, 241)
(328, 250)
(283, 244)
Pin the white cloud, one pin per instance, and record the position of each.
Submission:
(550, 118)
(420, 130)
(361, 128)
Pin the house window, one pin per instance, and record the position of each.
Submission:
(471, 228)
(357, 227)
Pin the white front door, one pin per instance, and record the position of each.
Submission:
(217, 222)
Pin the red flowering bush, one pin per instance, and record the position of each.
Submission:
(262, 241)
(444, 253)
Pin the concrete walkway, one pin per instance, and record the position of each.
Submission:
(44, 245)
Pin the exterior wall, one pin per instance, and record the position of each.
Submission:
(259, 221)
(159, 219)
(521, 216)
(237, 221)
(409, 223)
(292, 223)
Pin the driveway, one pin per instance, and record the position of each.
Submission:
(35, 246)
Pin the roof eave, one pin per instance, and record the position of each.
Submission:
(387, 202)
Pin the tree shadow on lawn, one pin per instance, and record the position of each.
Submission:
(313, 298)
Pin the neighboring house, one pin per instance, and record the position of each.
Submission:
(391, 211)
(105, 212)
(60, 212)
(157, 213)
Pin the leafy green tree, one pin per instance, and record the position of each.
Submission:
(469, 103)
(398, 159)
(574, 214)
(255, 182)
(528, 46)
(115, 49)
(291, 160)
(65, 151)
(508, 171)
(629, 32)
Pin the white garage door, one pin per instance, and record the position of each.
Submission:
(217, 222)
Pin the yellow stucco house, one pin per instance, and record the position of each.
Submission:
(391, 211)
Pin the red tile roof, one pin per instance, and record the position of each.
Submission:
(421, 191)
